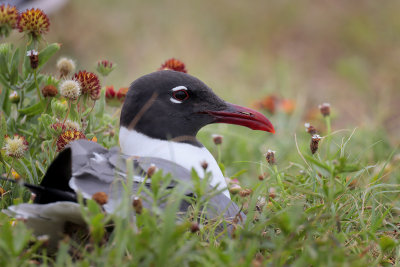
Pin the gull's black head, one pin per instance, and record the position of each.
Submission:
(171, 105)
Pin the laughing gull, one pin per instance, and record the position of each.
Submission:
(161, 115)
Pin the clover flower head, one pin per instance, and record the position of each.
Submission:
(34, 22)
(68, 136)
(65, 66)
(89, 83)
(173, 64)
(15, 147)
(70, 89)
(8, 19)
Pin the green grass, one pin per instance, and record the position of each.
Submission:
(338, 207)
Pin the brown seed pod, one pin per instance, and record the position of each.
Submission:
(100, 197)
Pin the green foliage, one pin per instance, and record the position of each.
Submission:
(334, 208)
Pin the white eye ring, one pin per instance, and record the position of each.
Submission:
(178, 88)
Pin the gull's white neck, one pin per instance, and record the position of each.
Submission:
(188, 156)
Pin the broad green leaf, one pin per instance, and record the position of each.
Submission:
(47, 53)
(318, 163)
(3, 129)
(100, 104)
(14, 67)
(6, 106)
(4, 51)
(386, 243)
(34, 109)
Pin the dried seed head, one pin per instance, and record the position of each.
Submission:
(70, 89)
(194, 227)
(204, 165)
(49, 91)
(272, 192)
(34, 58)
(173, 64)
(325, 109)
(100, 197)
(65, 66)
(105, 67)
(310, 129)
(68, 136)
(314, 143)
(34, 22)
(245, 192)
(270, 156)
(14, 97)
(137, 205)
(261, 177)
(353, 182)
(151, 170)
(217, 139)
(15, 147)
(44, 239)
(89, 83)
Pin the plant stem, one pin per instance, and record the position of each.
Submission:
(66, 116)
(11, 167)
(328, 137)
(37, 85)
(279, 179)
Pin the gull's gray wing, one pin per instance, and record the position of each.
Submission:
(87, 168)
(96, 169)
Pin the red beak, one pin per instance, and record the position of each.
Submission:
(238, 115)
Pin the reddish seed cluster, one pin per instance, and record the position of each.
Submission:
(33, 21)
(105, 64)
(8, 16)
(273, 103)
(173, 64)
(89, 82)
(100, 197)
(112, 94)
(68, 136)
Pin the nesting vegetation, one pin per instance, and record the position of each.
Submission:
(323, 197)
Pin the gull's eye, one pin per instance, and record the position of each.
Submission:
(179, 94)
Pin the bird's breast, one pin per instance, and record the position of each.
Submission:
(188, 156)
